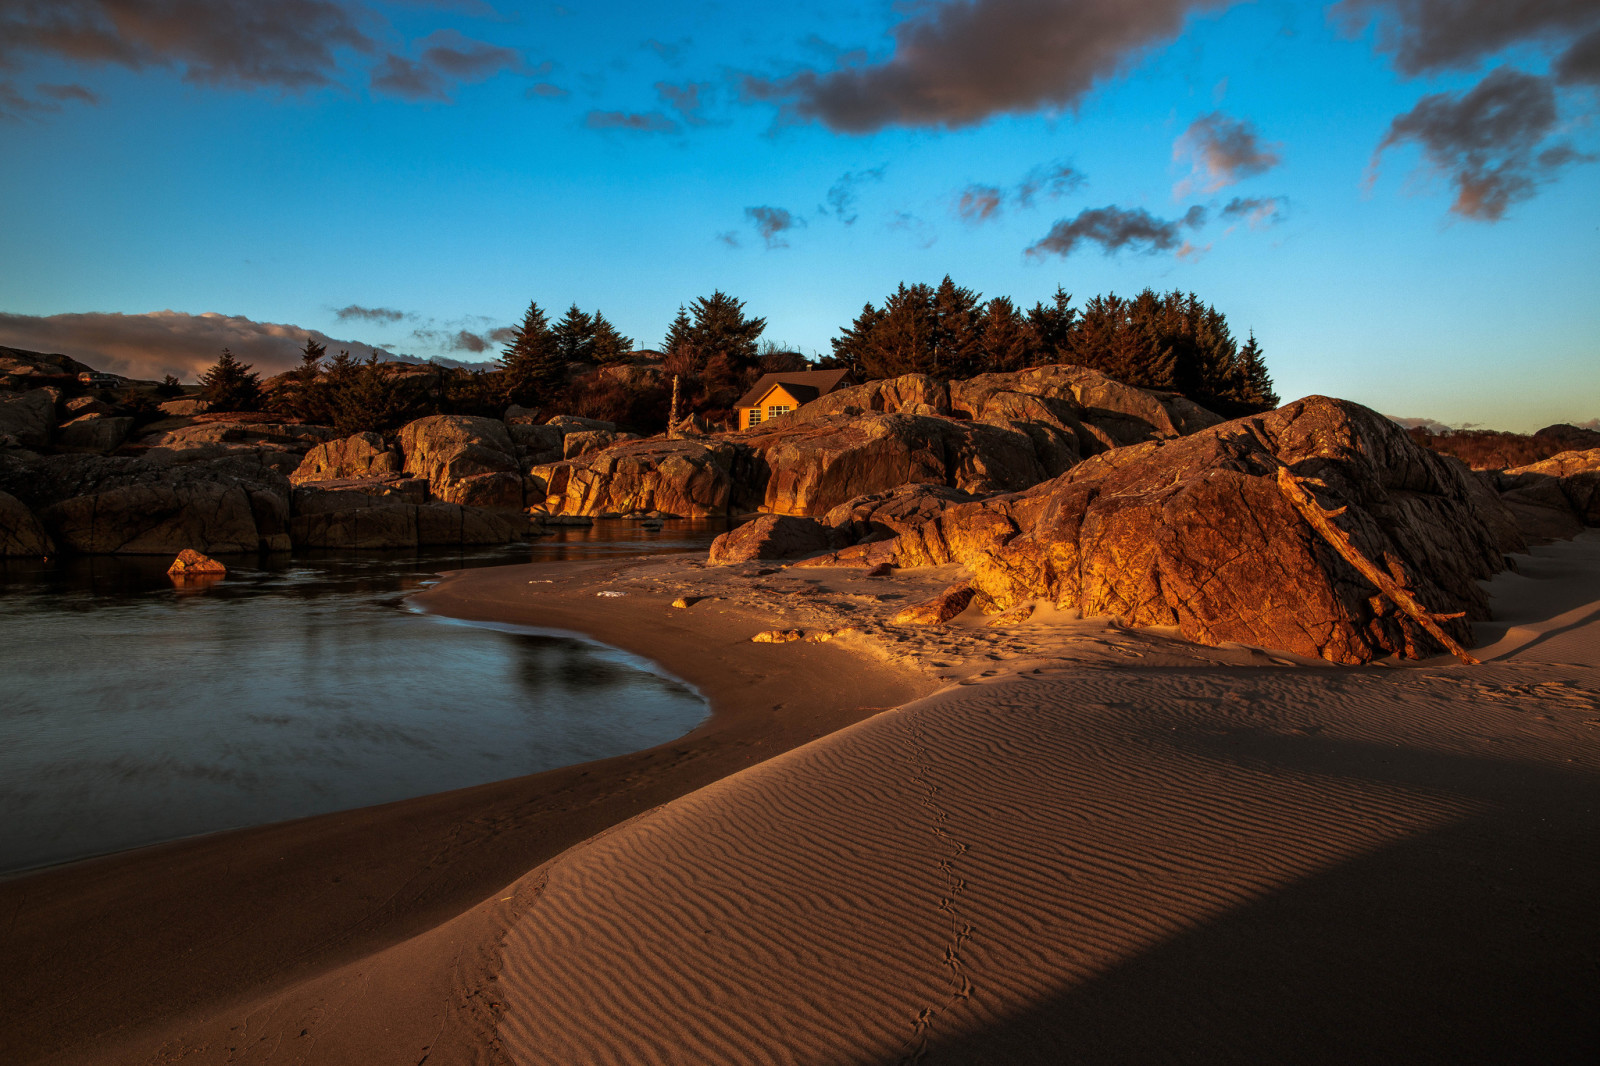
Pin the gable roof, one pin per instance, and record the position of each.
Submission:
(804, 385)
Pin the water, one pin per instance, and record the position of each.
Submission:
(133, 712)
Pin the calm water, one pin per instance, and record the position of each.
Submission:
(132, 712)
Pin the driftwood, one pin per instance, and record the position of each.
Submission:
(1391, 584)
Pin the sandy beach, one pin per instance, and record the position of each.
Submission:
(1048, 839)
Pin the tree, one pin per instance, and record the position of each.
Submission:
(531, 366)
(607, 345)
(1253, 385)
(677, 333)
(574, 336)
(231, 385)
(368, 398)
(1007, 342)
(719, 328)
(170, 386)
(310, 362)
(1052, 325)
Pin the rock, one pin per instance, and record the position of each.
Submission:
(21, 533)
(885, 396)
(582, 442)
(773, 537)
(1555, 498)
(535, 444)
(28, 369)
(517, 415)
(448, 449)
(577, 424)
(693, 478)
(778, 636)
(280, 446)
(79, 406)
(119, 505)
(185, 408)
(190, 562)
(29, 416)
(1195, 533)
(881, 570)
(94, 433)
(390, 513)
(685, 602)
(943, 607)
(363, 455)
(887, 514)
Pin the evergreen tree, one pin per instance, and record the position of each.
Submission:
(719, 328)
(231, 385)
(368, 398)
(608, 345)
(677, 333)
(531, 366)
(1253, 388)
(310, 362)
(574, 337)
(1008, 342)
(1052, 325)
(169, 387)
(957, 349)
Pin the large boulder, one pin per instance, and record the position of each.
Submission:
(449, 449)
(1196, 533)
(1554, 498)
(29, 416)
(879, 515)
(278, 445)
(692, 478)
(94, 433)
(21, 533)
(579, 443)
(117, 505)
(363, 455)
(773, 537)
(390, 513)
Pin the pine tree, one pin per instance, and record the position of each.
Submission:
(608, 345)
(574, 336)
(310, 361)
(531, 365)
(231, 385)
(1254, 389)
(1052, 325)
(957, 349)
(677, 333)
(1008, 342)
(720, 328)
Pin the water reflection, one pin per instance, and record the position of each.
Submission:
(132, 711)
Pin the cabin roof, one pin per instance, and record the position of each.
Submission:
(804, 385)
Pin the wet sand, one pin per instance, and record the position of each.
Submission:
(1060, 841)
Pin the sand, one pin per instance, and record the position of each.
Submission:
(1043, 841)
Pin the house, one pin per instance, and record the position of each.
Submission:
(778, 394)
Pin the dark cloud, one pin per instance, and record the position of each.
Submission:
(369, 314)
(167, 342)
(1581, 62)
(1486, 141)
(64, 93)
(842, 194)
(290, 46)
(1257, 212)
(979, 203)
(1115, 229)
(1426, 36)
(771, 223)
(685, 99)
(545, 91)
(1223, 151)
(645, 122)
(49, 99)
(958, 62)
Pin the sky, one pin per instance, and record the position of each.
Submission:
(1399, 198)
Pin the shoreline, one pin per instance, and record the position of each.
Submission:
(109, 953)
(1208, 772)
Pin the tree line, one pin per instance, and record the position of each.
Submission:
(581, 364)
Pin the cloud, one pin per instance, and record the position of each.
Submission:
(1427, 36)
(685, 99)
(979, 203)
(369, 314)
(1223, 151)
(1486, 141)
(842, 194)
(62, 93)
(771, 223)
(645, 122)
(290, 46)
(917, 229)
(671, 52)
(1581, 62)
(151, 345)
(545, 91)
(1115, 229)
(1257, 212)
(14, 105)
(959, 62)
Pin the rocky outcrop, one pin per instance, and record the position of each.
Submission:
(1196, 533)
(21, 533)
(192, 563)
(692, 478)
(28, 417)
(1555, 498)
(363, 455)
(579, 443)
(391, 513)
(879, 515)
(21, 369)
(94, 433)
(773, 537)
(278, 445)
(119, 505)
(452, 450)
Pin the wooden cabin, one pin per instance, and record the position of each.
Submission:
(778, 394)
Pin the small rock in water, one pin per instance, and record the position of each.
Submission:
(190, 562)
(778, 636)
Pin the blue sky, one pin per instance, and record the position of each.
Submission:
(447, 162)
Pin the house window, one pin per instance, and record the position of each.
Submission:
(778, 409)
(755, 416)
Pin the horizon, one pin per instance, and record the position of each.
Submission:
(407, 176)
